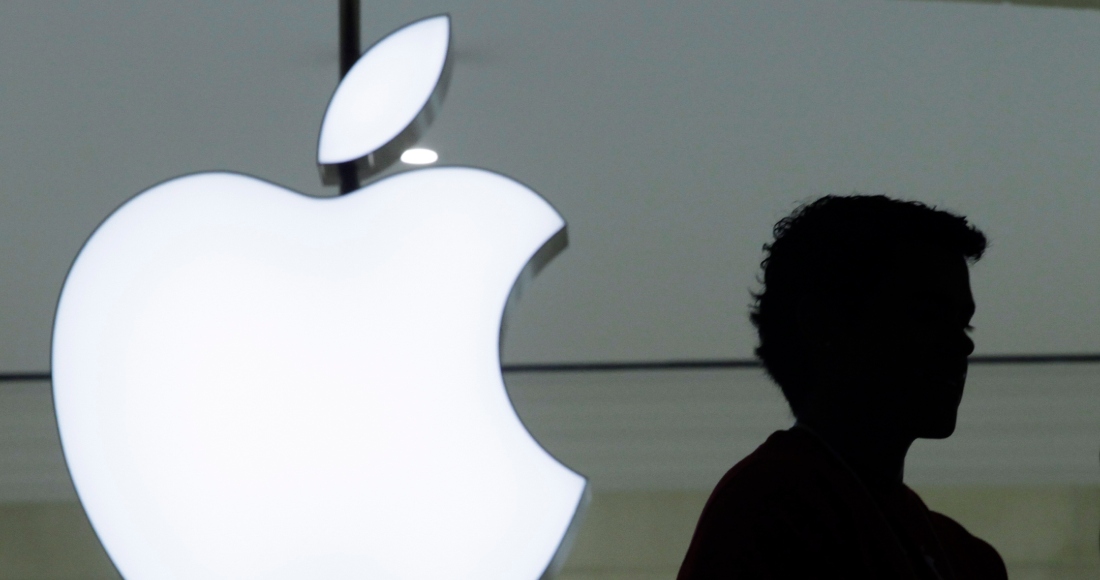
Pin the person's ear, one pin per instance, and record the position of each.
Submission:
(818, 327)
(832, 342)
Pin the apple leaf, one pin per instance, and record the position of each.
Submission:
(387, 99)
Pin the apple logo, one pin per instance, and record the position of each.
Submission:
(252, 383)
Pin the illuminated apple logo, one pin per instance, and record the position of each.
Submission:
(256, 384)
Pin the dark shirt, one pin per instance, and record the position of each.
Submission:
(792, 509)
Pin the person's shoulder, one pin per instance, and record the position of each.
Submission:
(775, 474)
(776, 513)
(768, 464)
(977, 558)
(748, 527)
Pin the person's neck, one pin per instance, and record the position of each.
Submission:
(876, 455)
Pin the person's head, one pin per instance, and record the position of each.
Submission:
(865, 310)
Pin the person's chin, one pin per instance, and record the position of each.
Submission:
(942, 411)
(940, 428)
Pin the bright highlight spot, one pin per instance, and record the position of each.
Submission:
(419, 156)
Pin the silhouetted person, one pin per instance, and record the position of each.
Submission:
(863, 323)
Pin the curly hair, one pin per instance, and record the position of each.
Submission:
(824, 257)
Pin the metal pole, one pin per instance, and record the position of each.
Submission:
(349, 53)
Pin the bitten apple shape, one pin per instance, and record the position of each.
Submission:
(252, 383)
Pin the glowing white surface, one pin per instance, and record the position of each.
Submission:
(384, 91)
(419, 156)
(255, 384)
